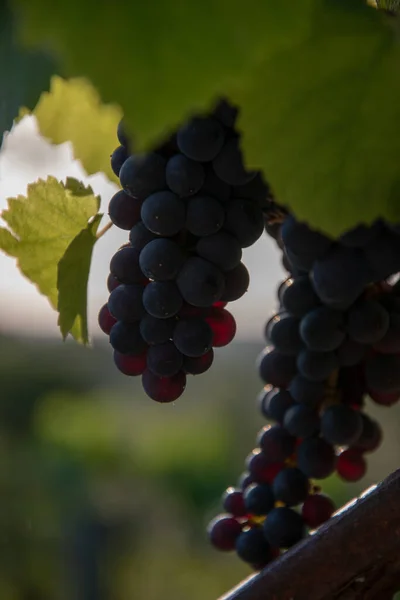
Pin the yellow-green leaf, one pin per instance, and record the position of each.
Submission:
(51, 232)
(72, 111)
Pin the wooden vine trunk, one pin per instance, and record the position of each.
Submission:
(356, 555)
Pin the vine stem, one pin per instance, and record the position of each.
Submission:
(104, 230)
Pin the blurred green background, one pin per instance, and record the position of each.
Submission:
(105, 494)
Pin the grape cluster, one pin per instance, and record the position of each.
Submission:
(334, 341)
(191, 207)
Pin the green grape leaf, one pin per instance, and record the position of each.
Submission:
(72, 111)
(51, 232)
(321, 119)
(24, 73)
(161, 60)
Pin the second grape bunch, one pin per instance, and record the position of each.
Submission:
(190, 206)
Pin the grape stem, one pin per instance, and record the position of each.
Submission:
(104, 230)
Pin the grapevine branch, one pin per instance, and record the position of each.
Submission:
(104, 230)
(354, 556)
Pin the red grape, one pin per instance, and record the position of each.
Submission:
(224, 531)
(223, 326)
(317, 509)
(163, 389)
(105, 319)
(129, 364)
(351, 465)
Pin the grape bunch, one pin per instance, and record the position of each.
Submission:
(333, 343)
(190, 207)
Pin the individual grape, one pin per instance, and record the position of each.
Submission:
(322, 329)
(301, 421)
(105, 319)
(361, 235)
(162, 299)
(164, 360)
(201, 138)
(341, 425)
(226, 113)
(139, 236)
(351, 465)
(382, 254)
(123, 210)
(122, 134)
(156, 331)
(161, 259)
(316, 366)
(276, 443)
(129, 364)
(236, 283)
(274, 404)
(126, 303)
(143, 175)
(275, 368)
(112, 282)
(371, 435)
(125, 266)
(384, 398)
(303, 244)
(222, 249)
(390, 342)
(252, 547)
(299, 297)
(223, 326)
(223, 532)
(198, 364)
(244, 219)
(205, 215)
(284, 527)
(200, 282)
(228, 164)
(118, 157)
(245, 480)
(304, 391)
(164, 213)
(367, 322)
(259, 499)
(350, 353)
(291, 486)
(193, 337)
(255, 189)
(126, 338)
(317, 509)
(214, 186)
(261, 469)
(284, 334)
(340, 276)
(316, 458)
(233, 502)
(184, 176)
(163, 389)
(382, 373)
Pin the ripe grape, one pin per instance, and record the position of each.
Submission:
(307, 392)
(112, 282)
(193, 337)
(228, 164)
(118, 157)
(222, 249)
(200, 282)
(163, 389)
(370, 437)
(105, 319)
(291, 486)
(252, 547)
(184, 176)
(316, 458)
(275, 403)
(299, 297)
(122, 134)
(304, 245)
(129, 364)
(301, 421)
(341, 425)
(139, 236)
(161, 259)
(162, 299)
(141, 176)
(276, 443)
(260, 467)
(164, 360)
(201, 138)
(205, 215)
(224, 531)
(126, 303)
(164, 213)
(233, 502)
(316, 366)
(223, 326)
(244, 219)
(284, 527)
(276, 369)
(284, 334)
(125, 267)
(236, 283)
(156, 331)
(127, 339)
(259, 499)
(367, 322)
(198, 364)
(351, 465)
(317, 509)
